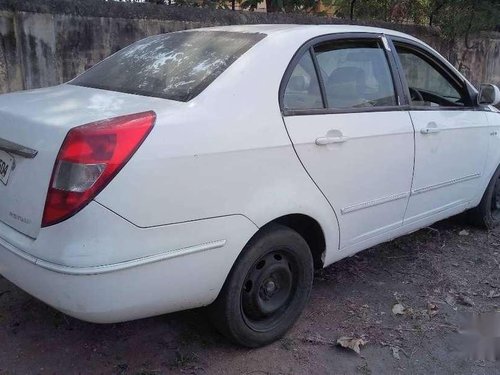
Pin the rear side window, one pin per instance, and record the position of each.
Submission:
(356, 74)
(175, 66)
(302, 90)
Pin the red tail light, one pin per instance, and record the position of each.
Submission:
(90, 156)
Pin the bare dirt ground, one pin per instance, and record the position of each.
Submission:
(439, 275)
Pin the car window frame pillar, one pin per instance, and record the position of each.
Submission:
(308, 47)
(437, 62)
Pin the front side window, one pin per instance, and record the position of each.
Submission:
(356, 74)
(175, 66)
(428, 86)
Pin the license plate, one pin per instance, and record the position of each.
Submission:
(6, 166)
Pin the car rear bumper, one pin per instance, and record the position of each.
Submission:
(173, 280)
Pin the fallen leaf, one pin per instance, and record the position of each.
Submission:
(398, 309)
(493, 294)
(394, 349)
(465, 300)
(351, 343)
(463, 233)
(432, 309)
(395, 352)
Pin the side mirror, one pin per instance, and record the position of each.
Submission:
(488, 95)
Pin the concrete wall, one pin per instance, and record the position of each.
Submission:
(46, 42)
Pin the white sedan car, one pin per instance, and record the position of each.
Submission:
(221, 166)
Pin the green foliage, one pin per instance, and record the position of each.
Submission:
(415, 11)
(456, 18)
(461, 18)
(250, 4)
(288, 6)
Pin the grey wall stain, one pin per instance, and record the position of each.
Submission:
(49, 42)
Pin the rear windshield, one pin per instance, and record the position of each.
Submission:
(175, 66)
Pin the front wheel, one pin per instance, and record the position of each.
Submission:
(267, 288)
(487, 213)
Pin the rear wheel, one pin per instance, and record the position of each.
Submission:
(267, 288)
(487, 213)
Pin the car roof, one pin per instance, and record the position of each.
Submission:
(301, 33)
(317, 30)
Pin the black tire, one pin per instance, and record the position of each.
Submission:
(487, 213)
(267, 288)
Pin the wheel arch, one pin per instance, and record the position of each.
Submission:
(310, 230)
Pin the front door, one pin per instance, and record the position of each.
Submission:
(451, 138)
(341, 111)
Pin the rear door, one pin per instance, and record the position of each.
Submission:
(341, 109)
(451, 137)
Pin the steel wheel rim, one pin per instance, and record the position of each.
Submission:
(268, 290)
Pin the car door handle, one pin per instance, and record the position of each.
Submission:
(322, 141)
(431, 128)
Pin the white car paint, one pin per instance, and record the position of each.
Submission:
(364, 209)
(438, 183)
(164, 234)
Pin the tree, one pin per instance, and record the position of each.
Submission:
(351, 12)
(462, 18)
(435, 7)
(455, 18)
